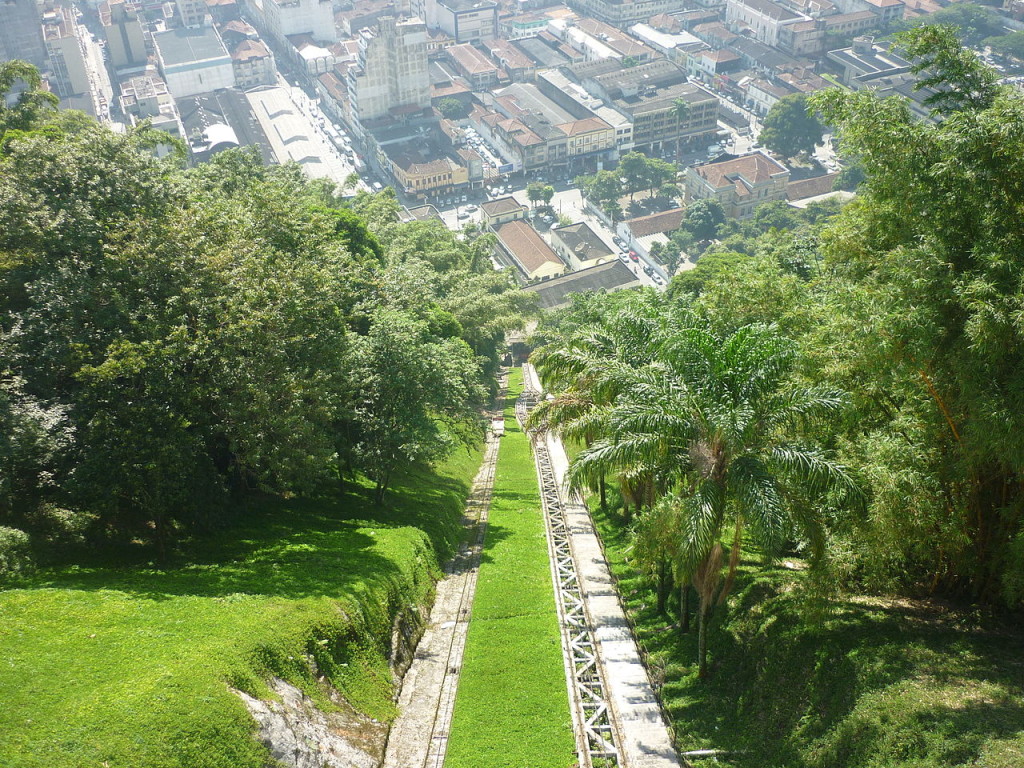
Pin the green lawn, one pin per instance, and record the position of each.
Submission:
(512, 707)
(873, 684)
(129, 667)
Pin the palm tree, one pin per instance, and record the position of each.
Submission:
(680, 110)
(717, 420)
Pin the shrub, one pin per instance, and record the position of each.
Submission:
(15, 553)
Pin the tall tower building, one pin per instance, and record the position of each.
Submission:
(391, 69)
(125, 41)
(64, 50)
(21, 36)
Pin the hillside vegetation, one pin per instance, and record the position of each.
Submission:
(238, 418)
(839, 390)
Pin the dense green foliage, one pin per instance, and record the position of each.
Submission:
(790, 128)
(907, 300)
(512, 708)
(172, 337)
(873, 683)
(105, 664)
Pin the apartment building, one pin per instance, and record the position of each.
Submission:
(468, 21)
(518, 65)
(534, 131)
(763, 20)
(280, 19)
(70, 77)
(391, 70)
(621, 13)
(253, 64)
(192, 13)
(740, 184)
(147, 98)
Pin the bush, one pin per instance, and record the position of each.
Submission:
(15, 553)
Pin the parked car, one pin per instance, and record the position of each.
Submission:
(471, 208)
(464, 198)
(648, 270)
(462, 215)
(633, 256)
(658, 279)
(618, 241)
(623, 257)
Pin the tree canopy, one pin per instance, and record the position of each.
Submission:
(790, 127)
(172, 337)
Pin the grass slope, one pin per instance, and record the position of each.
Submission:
(512, 707)
(115, 667)
(874, 684)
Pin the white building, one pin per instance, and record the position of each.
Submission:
(193, 61)
(283, 18)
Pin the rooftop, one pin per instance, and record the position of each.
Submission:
(770, 9)
(526, 246)
(583, 241)
(183, 46)
(664, 222)
(466, 5)
(501, 206)
(470, 59)
(248, 50)
(743, 172)
(610, 276)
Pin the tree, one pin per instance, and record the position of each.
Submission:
(407, 385)
(703, 218)
(535, 192)
(634, 172)
(602, 187)
(716, 418)
(546, 193)
(451, 108)
(32, 105)
(612, 210)
(930, 278)
(959, 79)
(790, 127)
(680, 110)
(972, 23)
(660, 175)
(1011, 44)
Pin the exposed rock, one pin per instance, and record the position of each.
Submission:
(300, 735)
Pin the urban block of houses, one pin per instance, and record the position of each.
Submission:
(533, 131)
(740, 184)
(527, 250)
(580, 246)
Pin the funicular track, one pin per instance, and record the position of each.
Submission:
(597, 739)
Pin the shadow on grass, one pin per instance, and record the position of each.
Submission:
(324, 547)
